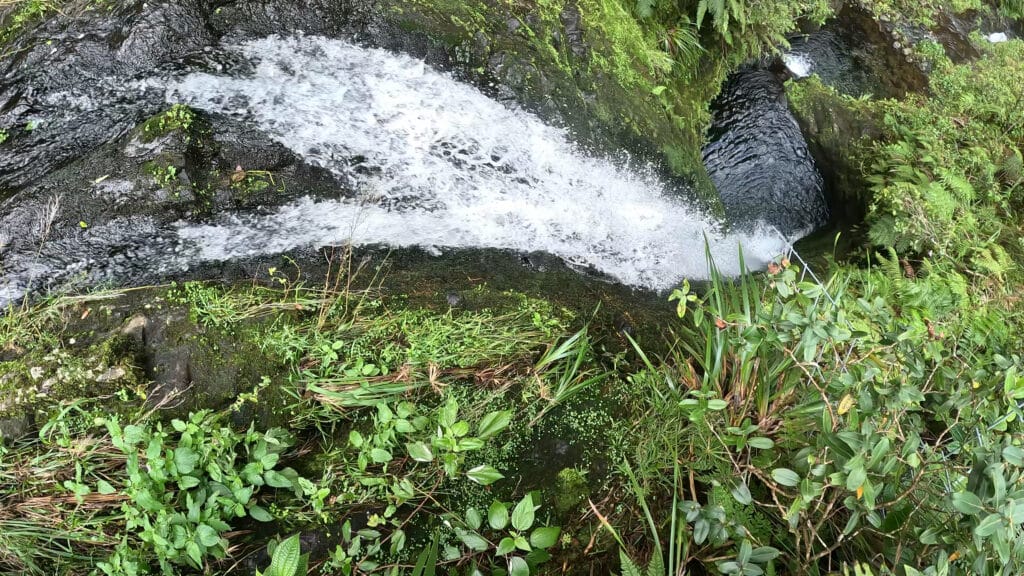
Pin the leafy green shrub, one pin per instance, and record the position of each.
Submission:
(863, 414)
(942, 177)
(185, 485)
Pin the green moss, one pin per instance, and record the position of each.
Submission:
(570, 490)
(177, 118)
(41, 379)
(840, 130)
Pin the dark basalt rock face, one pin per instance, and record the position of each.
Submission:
(758, 159)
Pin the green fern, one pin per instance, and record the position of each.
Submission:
(957, 185)
(627, 565)
(645, 8)
(1011, 170)
(883, 231)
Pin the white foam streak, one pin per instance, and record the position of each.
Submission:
(434, 162)
(799, 65)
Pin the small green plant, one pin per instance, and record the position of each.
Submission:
(286, 559)
(177, 117)
(164, 175)
(566, 370)
(520, 546)
(185, 485)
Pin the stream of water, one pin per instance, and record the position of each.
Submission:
(421, 159)
(434, 162)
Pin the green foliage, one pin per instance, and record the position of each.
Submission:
(567, 370)
(508, 539)
(131, 499)
(185, 486)
(286, 559)
(943, 177)
(178, 117)
(1012, 8)
(857, 413)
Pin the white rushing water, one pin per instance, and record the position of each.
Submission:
(799, 65)
(441, 165)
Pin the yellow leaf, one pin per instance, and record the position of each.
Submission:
(860, 491)
(845, 404)
(954, 556)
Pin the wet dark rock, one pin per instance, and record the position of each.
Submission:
(15, 427)
(859, 55)
(572, 21)
(453, 298)
(758, 159)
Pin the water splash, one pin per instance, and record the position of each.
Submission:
(434, 162)
(799, 65)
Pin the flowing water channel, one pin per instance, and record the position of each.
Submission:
(421, 160)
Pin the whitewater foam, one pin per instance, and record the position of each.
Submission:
(434, 162)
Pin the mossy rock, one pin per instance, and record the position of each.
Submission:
(570, 490)
(838, 129)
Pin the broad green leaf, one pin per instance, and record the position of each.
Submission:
(505, 546)
(701, 529)
(741, 493)
(746, 549)
(242, 495)
(545, 537)
(260, 514)
(460, 429)
(104, 487)
(761, 443)
(522, 514)
(276, 479)
(522, 544)
(493, 423)
(145, 499)
(764, 554)
(185, 460)
(448, 413)
(355, 439)
(484, 475)
(856, 478)
(929, 536)
(473, 518)
(285, 560)
(380, 456)
(967, 503)
(989, 525)
(785, 476)
(472, 540)
(1014, 455)
(518, 567)
(717, 404)
(207, 536)
(192, 549)
(497, 515)
(420, 452)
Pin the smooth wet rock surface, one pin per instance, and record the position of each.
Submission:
(758, 159)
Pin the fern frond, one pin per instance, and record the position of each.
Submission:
(957, 185)
(626, 564)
